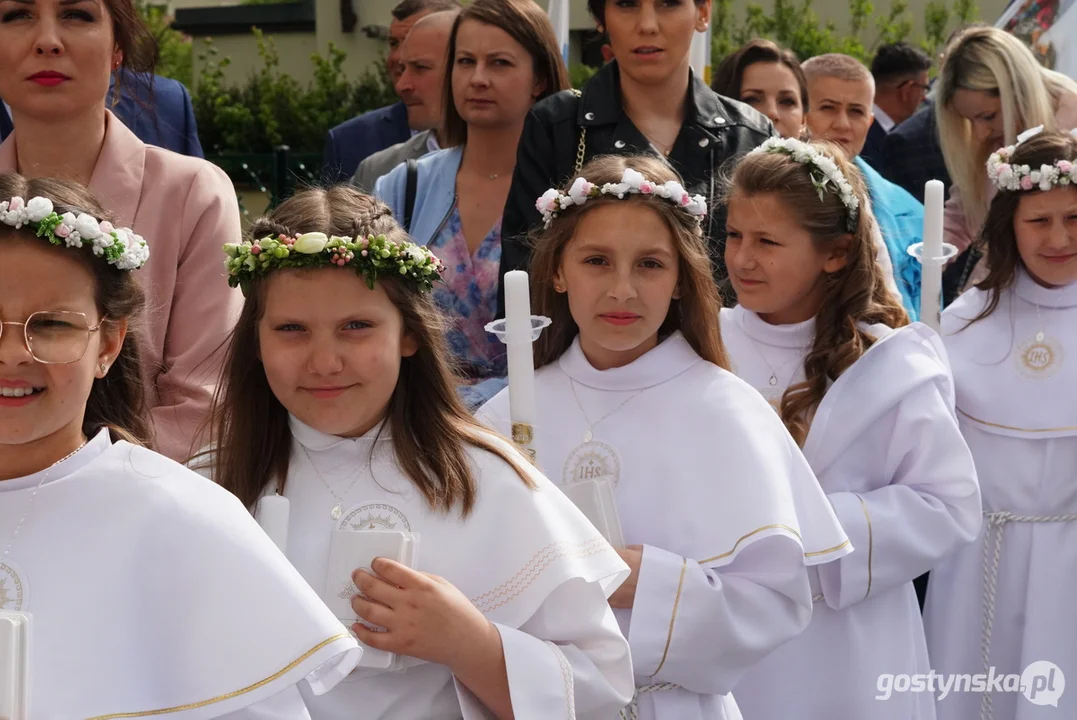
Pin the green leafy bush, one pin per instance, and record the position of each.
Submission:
(176, 52)
(795, 24)
(272, 108)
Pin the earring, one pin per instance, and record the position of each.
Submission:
(104, 368)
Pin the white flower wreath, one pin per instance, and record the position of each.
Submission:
(1014, 178)
(824, 172)
(553, 201)
(120, 247)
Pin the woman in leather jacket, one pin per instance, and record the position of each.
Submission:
(647, 100)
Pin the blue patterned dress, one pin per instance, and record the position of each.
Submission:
(468, 298)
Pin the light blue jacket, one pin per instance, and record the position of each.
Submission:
(901, 222)
(435, 197)
(435, 192)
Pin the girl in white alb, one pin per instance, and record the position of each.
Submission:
(720, 515)
(870, 399)
(150, 591)
(1005, 604)
(481, 589)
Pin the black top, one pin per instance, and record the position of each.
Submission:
(716, 130)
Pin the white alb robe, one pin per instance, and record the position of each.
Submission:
(1017, 403)
(153, 592)
(724, 504)
(886, 448)
(528, 559)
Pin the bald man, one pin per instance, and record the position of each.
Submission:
(421, 85)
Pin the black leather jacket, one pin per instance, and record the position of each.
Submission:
(716, 130)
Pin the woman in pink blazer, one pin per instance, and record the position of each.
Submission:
(57, 60)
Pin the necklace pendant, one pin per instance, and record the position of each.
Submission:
(1039, 336)
(336, 512)
(773, 380)
(588, 437)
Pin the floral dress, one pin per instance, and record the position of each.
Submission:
(468, 298)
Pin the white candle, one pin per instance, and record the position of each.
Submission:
(521, 360)
(931, 269)
(272, 515)
(14, 665)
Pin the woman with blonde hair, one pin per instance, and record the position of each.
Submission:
(991, 89)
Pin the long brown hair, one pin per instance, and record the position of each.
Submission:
(998, 232)
(429, 425)
(729, 76)
(855, 295)
(695, 314)
(527, 24)
(116, 401)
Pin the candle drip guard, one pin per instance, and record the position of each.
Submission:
(917, 250)
(538, 324)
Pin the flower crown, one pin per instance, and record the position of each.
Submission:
(371, 256)
(824, 172)
(1005, 176)
(122, 248)
(632, 183)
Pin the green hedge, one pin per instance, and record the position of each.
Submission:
(271, 108)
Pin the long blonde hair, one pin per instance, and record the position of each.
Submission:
(695, 314)
(991, 60)
(854, 296)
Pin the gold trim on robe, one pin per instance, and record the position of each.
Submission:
(867, 516)
(673, 618)
(250, 688)
(1072, 428)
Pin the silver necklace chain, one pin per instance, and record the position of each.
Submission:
(338, 509)
(773, 379)
(589, 435)
(29, 505)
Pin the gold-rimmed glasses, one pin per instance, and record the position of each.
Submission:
(56, 337)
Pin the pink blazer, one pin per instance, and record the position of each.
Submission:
(186, 209)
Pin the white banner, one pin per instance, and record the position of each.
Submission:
(559, 19)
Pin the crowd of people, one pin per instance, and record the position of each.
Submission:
(278, 472)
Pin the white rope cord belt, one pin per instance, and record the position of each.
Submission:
(631, 712)
(999, 520)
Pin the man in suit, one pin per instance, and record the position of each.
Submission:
(351, 142)
(900, 71)
(421, 85)
(163, 116)
(912, 155)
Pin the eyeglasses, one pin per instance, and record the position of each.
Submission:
(924, 89)
(56, 338)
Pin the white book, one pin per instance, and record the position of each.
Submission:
(351, 551)
(14, 666)
(594, 498)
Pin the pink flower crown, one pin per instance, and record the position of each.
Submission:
(553, 201)
(1016, 178)
(120, 247)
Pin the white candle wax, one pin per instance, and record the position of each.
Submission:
(931, 269)
(272, 515)
(521, 360)
(14, 665)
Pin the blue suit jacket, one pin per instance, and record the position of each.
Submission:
(166, 120)
(351, 142)
(873, 146)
